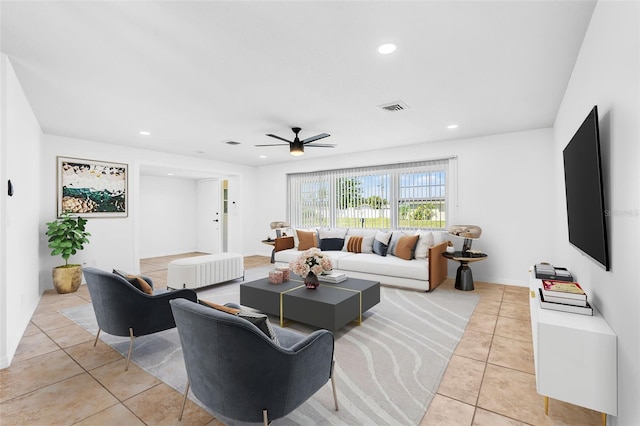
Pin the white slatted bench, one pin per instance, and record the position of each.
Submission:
(200, 271)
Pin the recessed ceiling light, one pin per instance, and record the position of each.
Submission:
(452, 126)
(263, 156)
(387, 48)
(169, 174)
(144, 133)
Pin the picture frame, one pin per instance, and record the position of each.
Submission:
(91, 188)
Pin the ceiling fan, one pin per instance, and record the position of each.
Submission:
(296, 147)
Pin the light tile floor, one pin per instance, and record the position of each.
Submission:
(58, 377)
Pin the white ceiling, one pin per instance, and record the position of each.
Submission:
(197, 74)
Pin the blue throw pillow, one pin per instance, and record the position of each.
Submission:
(331, 244)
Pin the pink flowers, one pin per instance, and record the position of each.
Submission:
(312, 260)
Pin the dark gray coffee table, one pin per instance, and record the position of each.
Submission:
(330, 306)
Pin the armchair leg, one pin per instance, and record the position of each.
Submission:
(265, 418)
(333, 385)
(184, 401)
(130, 348)
(95, 342)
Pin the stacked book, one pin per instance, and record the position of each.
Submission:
(550, 272)
(564, 296)
(332, 277)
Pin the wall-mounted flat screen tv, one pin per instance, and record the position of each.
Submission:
(586, 212)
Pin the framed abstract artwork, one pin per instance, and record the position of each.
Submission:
(90, 188)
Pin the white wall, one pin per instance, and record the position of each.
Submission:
(497, 179)
(115, 241)
(607, 74)
(168, 215)
(19, 215)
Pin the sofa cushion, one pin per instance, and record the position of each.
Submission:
(381, 243)
(306, 239)
(259, 320)
(136, 281)
(331, 239)
(356, 244)
(362, 232)
(332, 233)
(327, 244)
(395, 237)
(406, 246)
(424, 242)
(391, 266)
(288, 256)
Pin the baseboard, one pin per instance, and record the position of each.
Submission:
(4, 362)
(499, 280)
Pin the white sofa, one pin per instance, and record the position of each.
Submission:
(424, 273)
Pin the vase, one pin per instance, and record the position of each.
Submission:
(311, 281)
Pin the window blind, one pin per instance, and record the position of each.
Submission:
(399, 196)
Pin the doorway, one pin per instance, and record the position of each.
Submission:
(210, 218)
(225, 215)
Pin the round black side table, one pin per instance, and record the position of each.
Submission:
(464, 277)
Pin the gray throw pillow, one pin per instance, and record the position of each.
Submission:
(262, 322)
(381, 243)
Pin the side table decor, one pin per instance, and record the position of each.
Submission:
(309, 265)
(311, 281)
(276, 277)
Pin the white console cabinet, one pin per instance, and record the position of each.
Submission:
(575, 356)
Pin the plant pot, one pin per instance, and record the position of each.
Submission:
(67, 279)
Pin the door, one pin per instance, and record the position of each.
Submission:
(209, 216)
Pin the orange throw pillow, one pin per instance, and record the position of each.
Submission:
(306, 240)
(142, 284)
(354, 245)
(406, 247)
(232, 311)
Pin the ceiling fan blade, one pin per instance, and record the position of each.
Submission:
(278, 137)
(315, 138)
(320, 145)
(274, 144)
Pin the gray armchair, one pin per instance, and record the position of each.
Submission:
(239, 373)
(123, 310)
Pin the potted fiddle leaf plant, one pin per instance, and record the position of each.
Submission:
(67, 235)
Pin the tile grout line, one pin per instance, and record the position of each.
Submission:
(486, 362)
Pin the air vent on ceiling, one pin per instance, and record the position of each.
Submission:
(394, 106)
(232, 142)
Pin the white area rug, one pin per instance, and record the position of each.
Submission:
(387, 370)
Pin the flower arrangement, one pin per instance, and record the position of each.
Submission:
(310, 264)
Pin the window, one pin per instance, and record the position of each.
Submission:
(399, 196)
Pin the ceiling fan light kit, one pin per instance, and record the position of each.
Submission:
(296, 147)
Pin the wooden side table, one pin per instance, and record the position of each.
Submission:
(464, 277)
